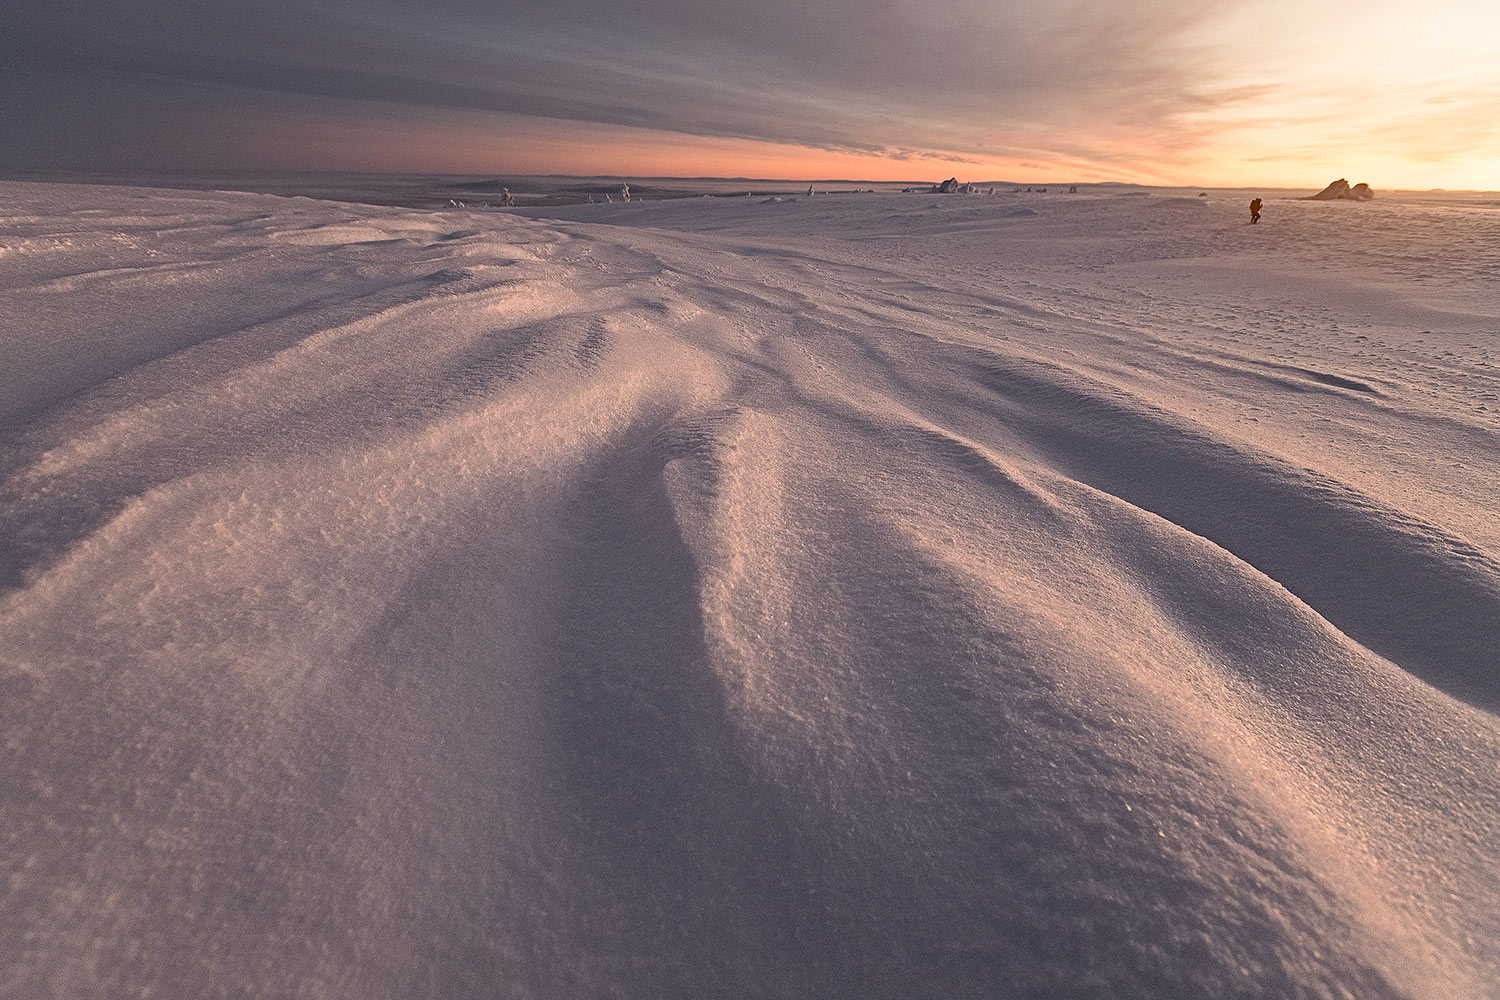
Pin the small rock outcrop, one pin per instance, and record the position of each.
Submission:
(1340, 190)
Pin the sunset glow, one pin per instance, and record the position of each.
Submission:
(1265, 92)
(653, 499)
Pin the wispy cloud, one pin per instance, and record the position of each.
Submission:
(864, 76)
(1133, 82)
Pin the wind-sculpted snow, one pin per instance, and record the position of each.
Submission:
(841, 597)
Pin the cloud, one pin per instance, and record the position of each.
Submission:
(1130, 89)
(875, 77)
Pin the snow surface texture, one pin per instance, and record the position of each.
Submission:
(868, 596)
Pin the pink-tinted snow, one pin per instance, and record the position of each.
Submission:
(848, 596)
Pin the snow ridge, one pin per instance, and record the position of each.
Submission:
(724, 599)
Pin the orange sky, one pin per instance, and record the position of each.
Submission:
(1260, 147)
(1219, 93)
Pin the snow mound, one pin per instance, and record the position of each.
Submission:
(1340, 190)
(880, 599)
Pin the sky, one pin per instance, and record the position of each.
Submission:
(1208, 92)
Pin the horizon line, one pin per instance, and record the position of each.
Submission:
(16, 173)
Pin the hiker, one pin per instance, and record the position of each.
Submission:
(1255, 211)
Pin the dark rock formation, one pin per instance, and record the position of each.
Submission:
(1340, 190)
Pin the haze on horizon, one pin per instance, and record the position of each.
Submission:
(1224, 92)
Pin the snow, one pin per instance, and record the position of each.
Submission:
(857, 596)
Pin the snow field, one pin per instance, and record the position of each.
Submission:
(867, 596)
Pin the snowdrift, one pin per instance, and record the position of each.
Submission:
(1340, 190)
(845, 597)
